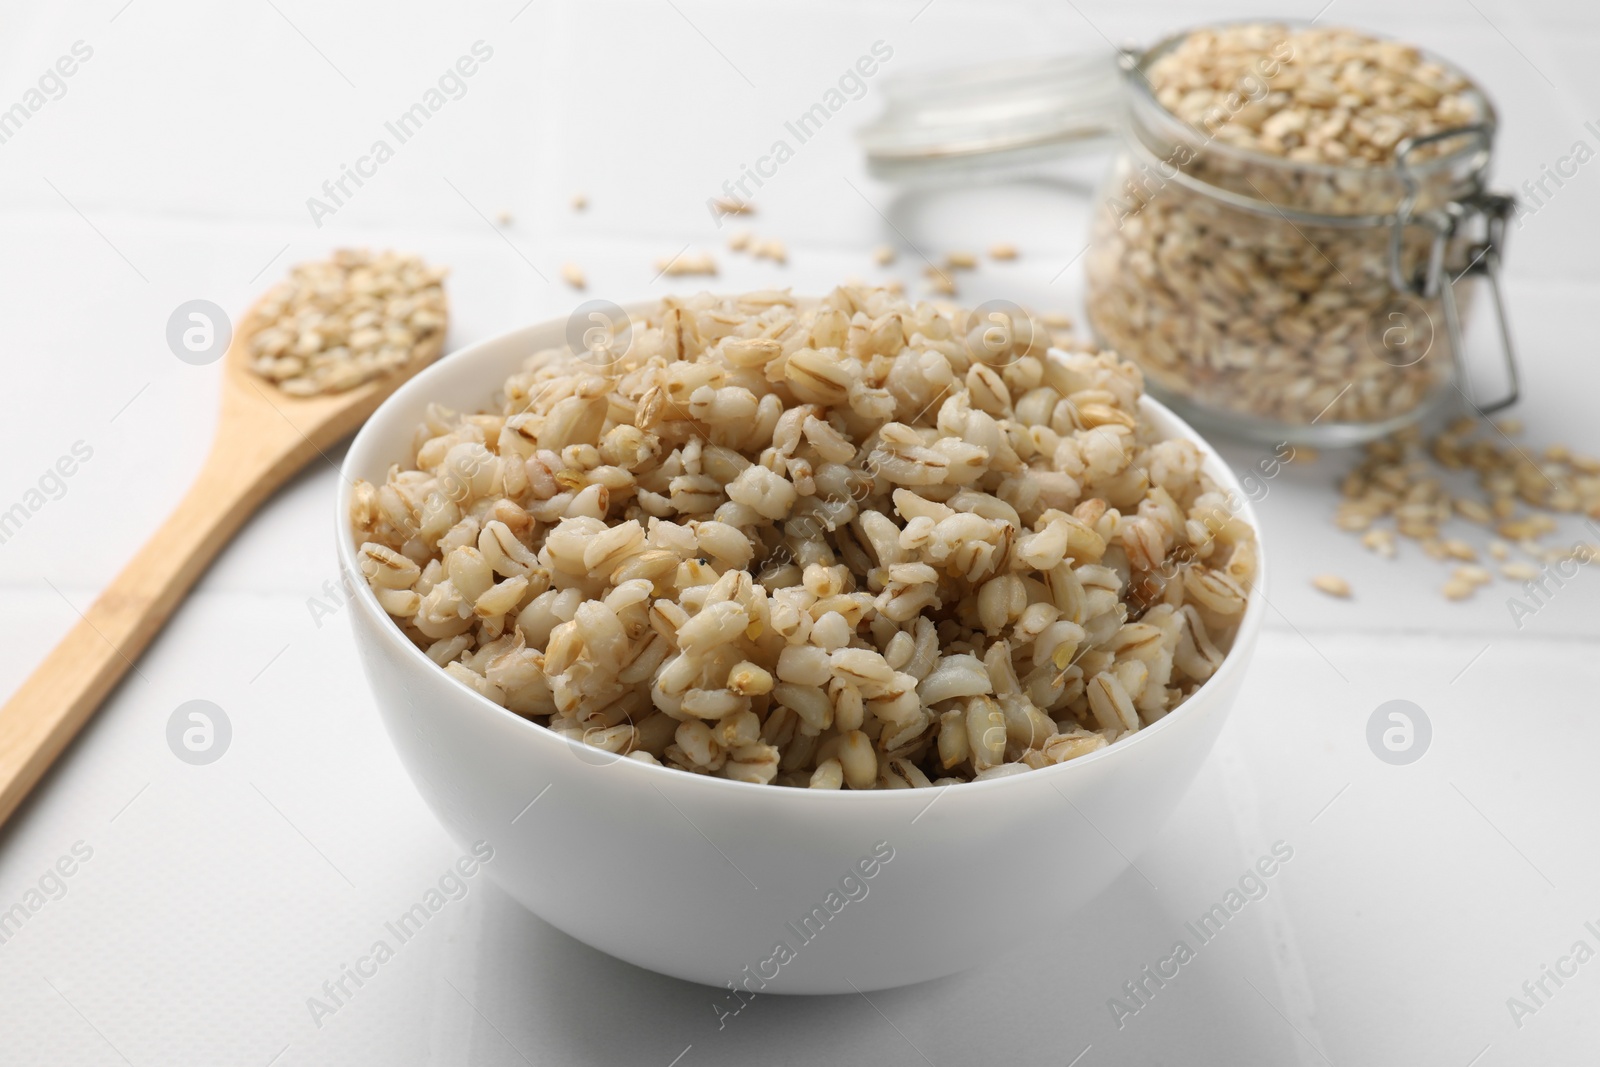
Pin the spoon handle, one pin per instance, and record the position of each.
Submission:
(63, 692)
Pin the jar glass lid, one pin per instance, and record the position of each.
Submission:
(994, 115)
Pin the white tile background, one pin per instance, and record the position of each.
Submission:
(219, 898)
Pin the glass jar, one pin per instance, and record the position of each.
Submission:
(1286, 300)
(1262, 296)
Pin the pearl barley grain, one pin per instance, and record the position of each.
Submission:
(1332, 584)
(1403, 478)
(729, 206)
(335, 324)
(687, 263)
(826, 544)
(771, 248)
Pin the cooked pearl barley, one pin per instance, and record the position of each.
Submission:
(833, 545)
(828, 775)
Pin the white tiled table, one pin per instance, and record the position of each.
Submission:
(215, 900)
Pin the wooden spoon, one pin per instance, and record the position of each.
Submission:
(263, 436)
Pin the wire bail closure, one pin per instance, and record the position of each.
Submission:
(1484, 255)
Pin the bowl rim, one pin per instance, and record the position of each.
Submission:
(459, 362)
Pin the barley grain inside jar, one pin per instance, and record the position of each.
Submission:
(1293, 233)
(1294, 229)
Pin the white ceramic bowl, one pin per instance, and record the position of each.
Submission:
(703, 878)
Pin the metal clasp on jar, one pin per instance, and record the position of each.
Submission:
(1483, 255)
